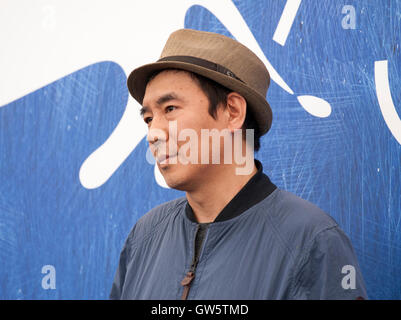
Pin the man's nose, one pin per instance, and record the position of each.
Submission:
(157, 132)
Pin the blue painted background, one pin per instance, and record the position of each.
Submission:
(347, 163)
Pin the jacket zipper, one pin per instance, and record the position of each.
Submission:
(190, 275)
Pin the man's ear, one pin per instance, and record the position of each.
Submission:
(236, 109)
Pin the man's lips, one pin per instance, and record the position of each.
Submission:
(163, 158)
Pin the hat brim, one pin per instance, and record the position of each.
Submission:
(258, 105)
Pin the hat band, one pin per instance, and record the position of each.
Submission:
(202, 63)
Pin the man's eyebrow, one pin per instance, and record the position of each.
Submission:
(162, 99)
(143, 110)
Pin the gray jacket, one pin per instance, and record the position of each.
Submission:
(282, 247)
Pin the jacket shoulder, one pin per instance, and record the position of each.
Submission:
(151, 220)
(297, 221)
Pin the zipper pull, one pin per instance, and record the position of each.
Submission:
(186, 282)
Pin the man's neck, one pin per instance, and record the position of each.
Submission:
(210, 198)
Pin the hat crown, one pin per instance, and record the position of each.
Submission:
(223, 51)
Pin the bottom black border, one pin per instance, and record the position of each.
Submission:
(199, 309)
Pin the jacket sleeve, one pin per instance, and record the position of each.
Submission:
(329, 269)
(119, 278)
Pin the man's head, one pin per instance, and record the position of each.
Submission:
(203, 81)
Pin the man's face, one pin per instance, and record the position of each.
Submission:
(174, 96)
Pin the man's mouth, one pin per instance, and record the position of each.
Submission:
(163, 159)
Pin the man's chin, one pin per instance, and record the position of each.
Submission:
(174, 175)
(175, 184)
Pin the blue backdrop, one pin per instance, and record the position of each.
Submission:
(347, 163)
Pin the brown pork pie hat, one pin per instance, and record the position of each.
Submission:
(217, 57)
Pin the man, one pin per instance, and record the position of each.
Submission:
(234, 235)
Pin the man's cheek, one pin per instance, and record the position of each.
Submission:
(188, 146)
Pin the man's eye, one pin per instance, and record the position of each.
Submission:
(147, 119)
(170, 108)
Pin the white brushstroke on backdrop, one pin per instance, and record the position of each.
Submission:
(386, 103)
(286, 20)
